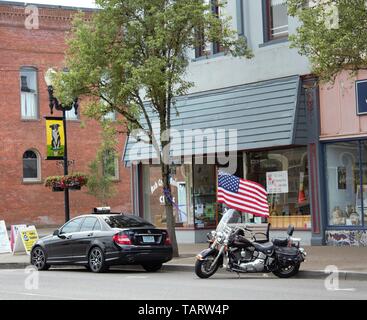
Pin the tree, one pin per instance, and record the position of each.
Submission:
(332, 35)
(136, 51)
(100, 178)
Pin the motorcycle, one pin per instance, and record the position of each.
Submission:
(232, 249)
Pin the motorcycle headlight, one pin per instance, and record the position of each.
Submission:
(220, 237)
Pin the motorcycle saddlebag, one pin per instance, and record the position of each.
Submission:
(285, 254)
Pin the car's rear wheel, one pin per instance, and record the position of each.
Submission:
(38, 259)
(152, 267)
(96, 260)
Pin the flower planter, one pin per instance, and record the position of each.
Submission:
(61, 189)
(76, 187)
(57, 189)
(71, 182)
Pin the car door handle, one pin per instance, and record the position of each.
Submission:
(68, 238)
(90, 234)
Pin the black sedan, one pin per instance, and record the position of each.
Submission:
(98, 241)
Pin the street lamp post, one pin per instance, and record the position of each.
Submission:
(54, 103)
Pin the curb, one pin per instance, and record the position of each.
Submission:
(14, 265)
(303, 274)
(343, 275)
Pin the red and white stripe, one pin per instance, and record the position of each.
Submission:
(250, 198)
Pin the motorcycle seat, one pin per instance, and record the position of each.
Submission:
(264, 247)
(280, 242)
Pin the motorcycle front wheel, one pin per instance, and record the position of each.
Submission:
(202, 267)
(287, 271)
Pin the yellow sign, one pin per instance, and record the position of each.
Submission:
(55, 138)
(29, 238)
(25, 239)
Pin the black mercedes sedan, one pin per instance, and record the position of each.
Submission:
(101, 240)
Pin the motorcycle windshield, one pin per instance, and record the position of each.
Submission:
(229, 217)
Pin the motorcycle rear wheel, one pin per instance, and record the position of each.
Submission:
(287, 271)
(202, 268)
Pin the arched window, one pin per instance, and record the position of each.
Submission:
(31, 166)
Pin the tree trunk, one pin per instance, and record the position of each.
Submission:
(168, 207)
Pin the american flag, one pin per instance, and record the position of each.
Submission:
(243, 195)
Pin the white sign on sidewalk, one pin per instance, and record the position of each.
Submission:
(277, 182)
(4, 239)
(26, 238)
(13, 233)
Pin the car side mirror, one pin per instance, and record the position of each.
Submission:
(56, 232)
(290, 230)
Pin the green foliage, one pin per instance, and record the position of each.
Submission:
(137, 50)
(332, 35)
(100, 180)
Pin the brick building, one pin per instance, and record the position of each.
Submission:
(25, 56)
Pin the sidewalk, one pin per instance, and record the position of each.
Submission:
(350, 261)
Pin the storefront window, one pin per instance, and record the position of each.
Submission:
(284, 173)
(154, 199)
(363, 191)
(345, 185)
(204, 177)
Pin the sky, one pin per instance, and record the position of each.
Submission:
(68, 3)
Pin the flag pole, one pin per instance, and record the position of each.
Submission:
(216, 195)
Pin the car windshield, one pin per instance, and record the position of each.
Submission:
(126, 221)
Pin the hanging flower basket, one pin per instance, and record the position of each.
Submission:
(57, 189)
(72, 182)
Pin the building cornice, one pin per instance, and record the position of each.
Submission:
(53, 17)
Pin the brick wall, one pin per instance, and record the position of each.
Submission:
(41, 48)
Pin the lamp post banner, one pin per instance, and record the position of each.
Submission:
(55, 138)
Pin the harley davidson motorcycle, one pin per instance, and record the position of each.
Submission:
(231, 248)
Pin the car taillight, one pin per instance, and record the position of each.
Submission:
(121, 238)
(167, 242)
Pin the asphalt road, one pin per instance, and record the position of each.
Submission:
(77, 283)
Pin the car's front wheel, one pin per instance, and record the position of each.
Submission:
(152, 267)
(38, 259)
(96, 260)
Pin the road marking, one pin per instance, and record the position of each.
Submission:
(346, 289)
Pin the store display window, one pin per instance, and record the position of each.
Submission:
(154, 196)
(284, 174)
(204, 195)
(346, 183)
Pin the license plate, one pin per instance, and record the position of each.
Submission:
(148, 239)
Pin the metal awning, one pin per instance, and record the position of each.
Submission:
(263, 115)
